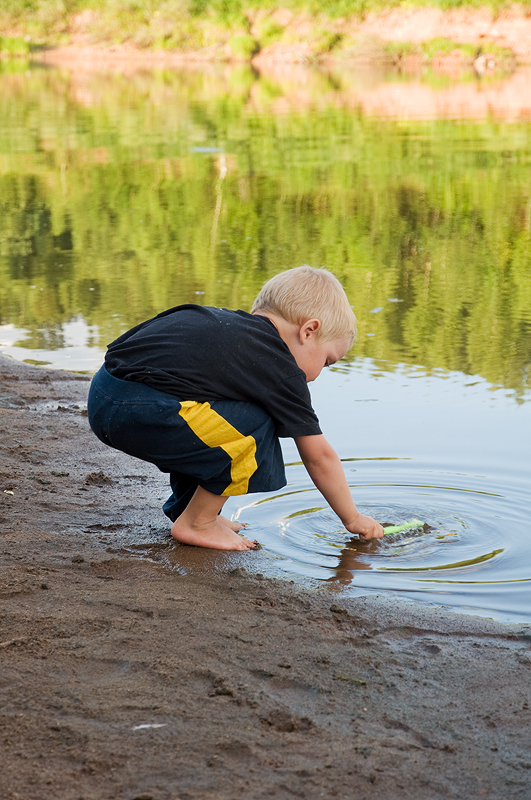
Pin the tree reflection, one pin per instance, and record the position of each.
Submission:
(112, 208)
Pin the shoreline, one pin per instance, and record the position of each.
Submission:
(134, 667)
(418, 94)
(414, 36)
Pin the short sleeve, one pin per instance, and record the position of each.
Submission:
(289, 404)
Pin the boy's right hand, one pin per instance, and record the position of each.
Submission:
(326, 471)
(366, 527)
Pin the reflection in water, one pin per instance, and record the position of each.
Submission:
(467, 563)
(122, 194)
(444, 450)
(350, 560)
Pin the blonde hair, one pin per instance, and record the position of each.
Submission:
(304, 293)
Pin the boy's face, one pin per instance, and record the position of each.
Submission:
(313, 355)
(309, 352)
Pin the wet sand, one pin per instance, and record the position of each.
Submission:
(124, 677)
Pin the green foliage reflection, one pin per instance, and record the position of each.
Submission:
(123, 195)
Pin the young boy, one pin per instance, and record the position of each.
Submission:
(204, 394)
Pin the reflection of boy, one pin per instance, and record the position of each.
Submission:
(204, 393)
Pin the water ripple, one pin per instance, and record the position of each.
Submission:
(468, 542)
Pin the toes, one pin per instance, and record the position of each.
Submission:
(252, 545)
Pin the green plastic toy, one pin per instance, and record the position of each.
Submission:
(405, 526)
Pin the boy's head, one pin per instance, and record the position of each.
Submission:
(304, 293)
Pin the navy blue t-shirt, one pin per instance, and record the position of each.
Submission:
(204, 353)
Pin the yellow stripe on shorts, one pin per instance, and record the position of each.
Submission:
(215, 431)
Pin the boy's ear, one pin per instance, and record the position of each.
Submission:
(309, 329)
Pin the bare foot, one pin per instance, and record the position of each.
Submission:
(215, 535)
(234, 525)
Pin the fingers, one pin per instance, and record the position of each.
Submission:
(367, 528)
(371, 535)
(375, 531)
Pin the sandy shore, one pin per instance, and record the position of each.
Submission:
(162, 672)
(361, 39)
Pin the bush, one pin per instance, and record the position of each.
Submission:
(243, 45)
(440, 46)
(14, 46)
(269, 31)
(399, 50)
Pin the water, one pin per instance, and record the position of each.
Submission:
(124, 194)
(441, 448)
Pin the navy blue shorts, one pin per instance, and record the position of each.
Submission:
(226, 446)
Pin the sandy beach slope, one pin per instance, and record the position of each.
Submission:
(162, 672)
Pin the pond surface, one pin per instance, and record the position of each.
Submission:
(441, 447)
(124, 193)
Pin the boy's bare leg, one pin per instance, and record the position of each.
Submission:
(200, 524)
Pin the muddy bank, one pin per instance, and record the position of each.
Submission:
(133, 667)
(481, 38)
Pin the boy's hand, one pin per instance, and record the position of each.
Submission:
(326, 471)
(366, 527)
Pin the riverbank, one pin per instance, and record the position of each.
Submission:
(133, 667)
(485, 37)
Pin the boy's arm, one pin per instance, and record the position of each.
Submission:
(326, 471)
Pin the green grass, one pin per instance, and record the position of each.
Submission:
(14, 46)
(245, 25)
(243, 45)
(434, 212)
(430, 50)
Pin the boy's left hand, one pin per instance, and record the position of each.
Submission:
(366, 527)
